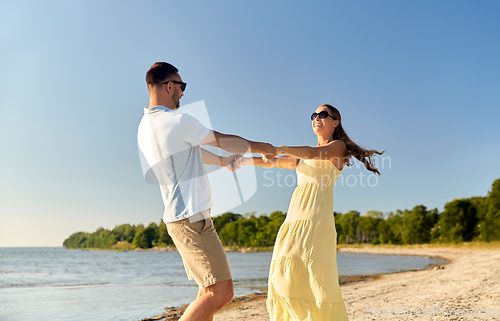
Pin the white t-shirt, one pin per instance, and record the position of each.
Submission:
(169, 144)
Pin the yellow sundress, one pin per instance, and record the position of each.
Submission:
(303, 277)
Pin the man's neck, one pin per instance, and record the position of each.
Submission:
(153, 101)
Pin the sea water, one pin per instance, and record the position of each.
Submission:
(61, 284)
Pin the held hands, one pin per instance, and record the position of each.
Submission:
(241, 161)
(231, 162)
(270, 153)
(235, 161)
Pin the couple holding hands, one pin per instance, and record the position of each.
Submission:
(303, 277)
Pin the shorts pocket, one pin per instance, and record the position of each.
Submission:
(197, 227)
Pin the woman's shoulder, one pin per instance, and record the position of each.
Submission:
(337, 142)
(337, 147)
(340, 148)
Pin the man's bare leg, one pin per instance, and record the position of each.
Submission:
(210, 300)
(202, 291)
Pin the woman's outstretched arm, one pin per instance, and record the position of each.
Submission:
(331, 151)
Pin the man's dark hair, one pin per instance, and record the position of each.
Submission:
(159, 72)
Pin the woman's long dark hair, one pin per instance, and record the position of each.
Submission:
(363, 155)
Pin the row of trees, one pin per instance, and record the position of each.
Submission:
(469, 219)
(137, 235)
(233, 229)
(463, 220)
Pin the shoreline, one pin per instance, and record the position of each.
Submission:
(476, 245)
(174, 313)
(172, 249)
(253, 305)
(468, 284)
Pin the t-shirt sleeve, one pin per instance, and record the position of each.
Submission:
(192, 131)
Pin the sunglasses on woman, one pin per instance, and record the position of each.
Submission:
(183, 84)
(322, 115)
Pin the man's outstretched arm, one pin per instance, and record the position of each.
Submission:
(237, 144)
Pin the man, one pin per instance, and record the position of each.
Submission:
(170, 141)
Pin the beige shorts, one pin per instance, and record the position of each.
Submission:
(199, 245)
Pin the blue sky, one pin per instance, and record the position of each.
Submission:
(419, 79)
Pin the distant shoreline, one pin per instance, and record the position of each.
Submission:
(465, 245)
(173, 249)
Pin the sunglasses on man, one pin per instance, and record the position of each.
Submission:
(183, 84)
(322, 115)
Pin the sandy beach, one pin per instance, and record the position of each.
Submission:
(466, 288)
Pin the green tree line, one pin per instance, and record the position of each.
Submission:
(136, 235)
(463, 220)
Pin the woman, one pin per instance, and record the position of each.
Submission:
(303, 278)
